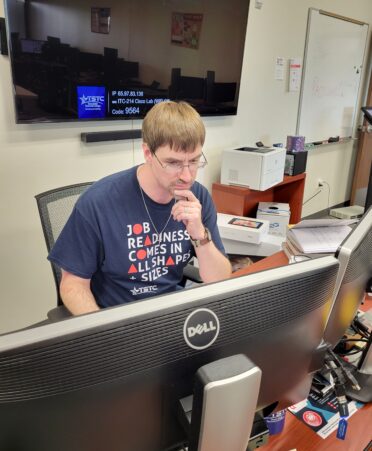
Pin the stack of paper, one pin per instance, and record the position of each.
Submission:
(317, 236)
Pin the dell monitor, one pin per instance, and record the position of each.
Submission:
(113, 379)
(355, 257)
(353, 280)
(368, 201)
(367, 110)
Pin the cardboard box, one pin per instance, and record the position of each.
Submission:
(269, 245)
(277, 214)
(240, 228)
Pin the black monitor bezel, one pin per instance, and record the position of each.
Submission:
(367, 110)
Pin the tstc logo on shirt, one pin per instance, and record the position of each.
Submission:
(91, 101)
(143, 290)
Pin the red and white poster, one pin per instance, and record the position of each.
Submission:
(186, 29)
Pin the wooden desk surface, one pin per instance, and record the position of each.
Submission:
(297, 435)
(273, 261)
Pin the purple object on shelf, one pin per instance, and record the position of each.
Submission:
(275, 422)
(296, 143)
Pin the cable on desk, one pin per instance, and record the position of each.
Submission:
(360, 328)
(347, 353)
(344, 340)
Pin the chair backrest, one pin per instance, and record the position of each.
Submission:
(55, 207)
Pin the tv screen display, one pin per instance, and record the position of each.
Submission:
(72, 60)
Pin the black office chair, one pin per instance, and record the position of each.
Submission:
(55, 207)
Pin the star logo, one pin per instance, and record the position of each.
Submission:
(91, 101)
(83, 100)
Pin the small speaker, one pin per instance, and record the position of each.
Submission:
(3, 41)
(116, 135)
(295, 162)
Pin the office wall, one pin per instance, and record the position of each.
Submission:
(40, 157)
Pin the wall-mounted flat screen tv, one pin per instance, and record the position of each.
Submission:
(74, 60)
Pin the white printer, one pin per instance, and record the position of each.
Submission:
(259, 168)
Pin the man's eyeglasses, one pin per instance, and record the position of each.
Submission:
(175, 167)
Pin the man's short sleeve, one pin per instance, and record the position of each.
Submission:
(78, 248)
(209, 216)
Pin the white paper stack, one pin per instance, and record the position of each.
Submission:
(318, 235)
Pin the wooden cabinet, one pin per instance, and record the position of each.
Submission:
(242, 201)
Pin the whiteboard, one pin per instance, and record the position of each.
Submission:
(333, 59)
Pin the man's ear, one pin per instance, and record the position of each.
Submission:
(147, 153)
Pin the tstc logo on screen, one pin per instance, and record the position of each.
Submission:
(91, 101)
(201, 328)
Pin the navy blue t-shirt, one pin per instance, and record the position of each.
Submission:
(110, 239)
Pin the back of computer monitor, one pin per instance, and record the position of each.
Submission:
(112, 380)
(355, 257)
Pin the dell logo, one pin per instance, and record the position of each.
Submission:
(201, 328)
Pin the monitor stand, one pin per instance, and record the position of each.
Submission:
(220, 413)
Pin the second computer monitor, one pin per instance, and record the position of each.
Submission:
(355, 257)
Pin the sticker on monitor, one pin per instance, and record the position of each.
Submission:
(245, 223)
(91, 102)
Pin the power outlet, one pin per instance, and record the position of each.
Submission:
(320, 183)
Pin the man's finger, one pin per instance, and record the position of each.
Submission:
(185, 193)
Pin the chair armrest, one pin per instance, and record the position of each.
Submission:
(191, 272)
(58, 313)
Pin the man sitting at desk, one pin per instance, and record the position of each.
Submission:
(131, 234)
